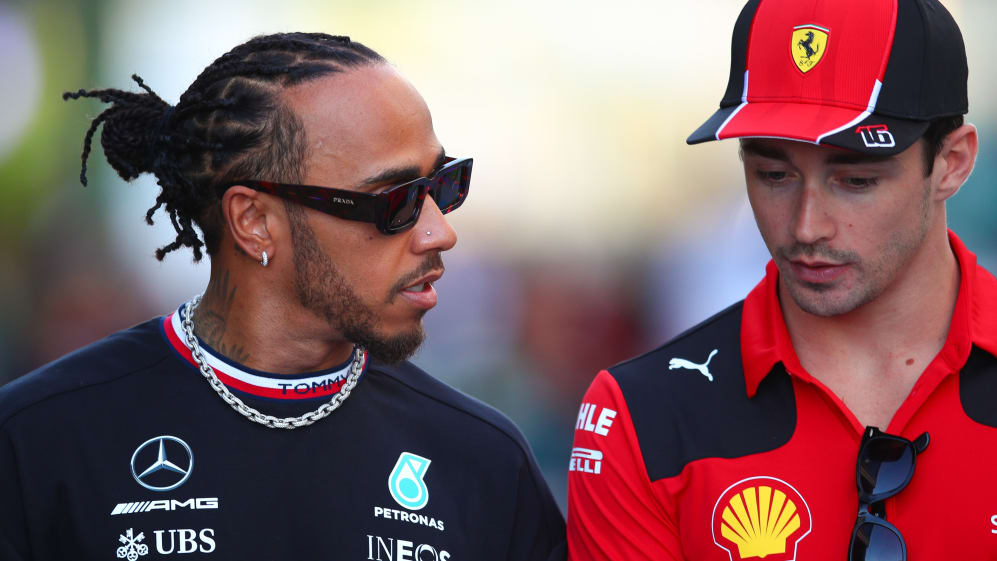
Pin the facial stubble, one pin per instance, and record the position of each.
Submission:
(323, 290)
(873, 277)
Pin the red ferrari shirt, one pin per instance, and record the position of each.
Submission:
(719, 446)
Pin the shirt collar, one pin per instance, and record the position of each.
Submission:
(765, 340)
(313, 385)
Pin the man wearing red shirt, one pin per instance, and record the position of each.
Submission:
(754, 434)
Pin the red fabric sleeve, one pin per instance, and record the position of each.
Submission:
(613, 513)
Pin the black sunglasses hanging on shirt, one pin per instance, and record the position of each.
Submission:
(885, 465)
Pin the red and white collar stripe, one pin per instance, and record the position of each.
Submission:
(314, 385)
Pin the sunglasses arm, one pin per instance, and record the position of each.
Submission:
(361, 209)
(349, 205)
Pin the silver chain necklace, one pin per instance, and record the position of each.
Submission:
(187, 321)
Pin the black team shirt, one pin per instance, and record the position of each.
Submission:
(122, 450)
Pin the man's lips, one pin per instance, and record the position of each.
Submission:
(429, 278)
(421, 292)
(817, 272)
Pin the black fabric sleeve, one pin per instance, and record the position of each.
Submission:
(538, 532)
(13, 526)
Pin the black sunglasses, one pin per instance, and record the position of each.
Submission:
(393, 210)
(884, 467)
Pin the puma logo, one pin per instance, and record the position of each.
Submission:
(704, 368)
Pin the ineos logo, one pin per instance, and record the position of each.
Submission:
(167, 460)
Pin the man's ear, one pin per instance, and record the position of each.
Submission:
(250, 216)
(956, 159)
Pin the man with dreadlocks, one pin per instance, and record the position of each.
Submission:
(313, 171)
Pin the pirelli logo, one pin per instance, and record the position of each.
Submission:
(586, 460)
(201, 503)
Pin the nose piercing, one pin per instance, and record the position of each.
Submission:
(428, 232)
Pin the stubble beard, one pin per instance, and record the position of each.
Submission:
(872, 278)
(323, 290)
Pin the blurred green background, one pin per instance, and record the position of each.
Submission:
(592, 232)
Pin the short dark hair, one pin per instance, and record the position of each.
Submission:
(935, 136)
(230, 124)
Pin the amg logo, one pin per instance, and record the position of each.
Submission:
(342, 201)
(203, 503)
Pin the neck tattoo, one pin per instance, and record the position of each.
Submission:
(359, 356)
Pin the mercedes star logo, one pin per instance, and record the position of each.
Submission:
(163, 474)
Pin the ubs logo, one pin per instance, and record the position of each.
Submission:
(162, 463)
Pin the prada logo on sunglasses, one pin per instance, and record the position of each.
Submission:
(760, 517)
(342, 201)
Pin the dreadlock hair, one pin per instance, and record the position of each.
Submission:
(229, 125)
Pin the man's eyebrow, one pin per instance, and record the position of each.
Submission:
(764, 151)
(838, 158)
(402, 174)
(852, 158)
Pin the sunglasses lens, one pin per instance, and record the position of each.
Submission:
(873, 542)
(450, 188)
(885, 466)
(402, 205)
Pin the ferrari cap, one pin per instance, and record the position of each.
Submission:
(866, 75)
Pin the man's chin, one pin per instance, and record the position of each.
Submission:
(824, 300)
(391, 349)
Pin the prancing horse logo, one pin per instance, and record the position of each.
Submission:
(809, 43)
(704, 368)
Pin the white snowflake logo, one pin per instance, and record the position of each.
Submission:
(131, 548)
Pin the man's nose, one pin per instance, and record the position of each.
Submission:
(812, 221)
(432, 231)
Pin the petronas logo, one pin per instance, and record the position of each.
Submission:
(406, 483)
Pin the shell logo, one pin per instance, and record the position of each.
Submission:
(761, 518)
